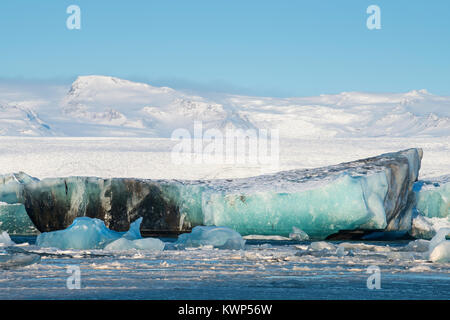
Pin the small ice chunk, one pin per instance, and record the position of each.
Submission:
(265, 237)
(419, 245)
(15, 220)
(8, 261)
(86, 233)
(322, 245)
(441, 253)
(5, 240)
(340, 252)
(439, 237)
(298, 234)
(426, 228)
(218, 237)
(439, 250)
(149, 244)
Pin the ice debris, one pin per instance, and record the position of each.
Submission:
(439, 250)
(217, 237)
(298, 235)
(148, 244)
(373, 194)
(8, 261)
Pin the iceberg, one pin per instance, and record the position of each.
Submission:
(11, 186)
(441, 253)
(433, 197)
(370, 194)
(218, 237)
(86, 233)
(15, 220)
(374, 193)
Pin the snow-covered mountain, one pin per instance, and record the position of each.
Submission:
(143, 108)
(108, 106)
(21, 120)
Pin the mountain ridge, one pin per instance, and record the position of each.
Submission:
(113, 107)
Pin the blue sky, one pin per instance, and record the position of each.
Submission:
(276, 48)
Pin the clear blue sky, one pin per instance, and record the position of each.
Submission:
(280, 48)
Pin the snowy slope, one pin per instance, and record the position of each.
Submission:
(20, 120)
(142, 108)
(104, 106)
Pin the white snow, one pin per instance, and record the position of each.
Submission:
(108, 106)
(39, 127)
(439, 249)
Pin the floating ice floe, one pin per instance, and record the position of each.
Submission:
(14, 258)
(217, 237)
(371, 194)
(86, 233)
(322, 245)
(8, 261)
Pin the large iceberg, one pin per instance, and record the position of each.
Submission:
(371, 194)
(86, 233)
(13, 216)
(426, 228)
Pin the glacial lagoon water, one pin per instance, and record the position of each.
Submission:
(265, 269)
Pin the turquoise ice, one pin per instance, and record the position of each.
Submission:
(433, 197)
(15, 220)
(86, 233)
